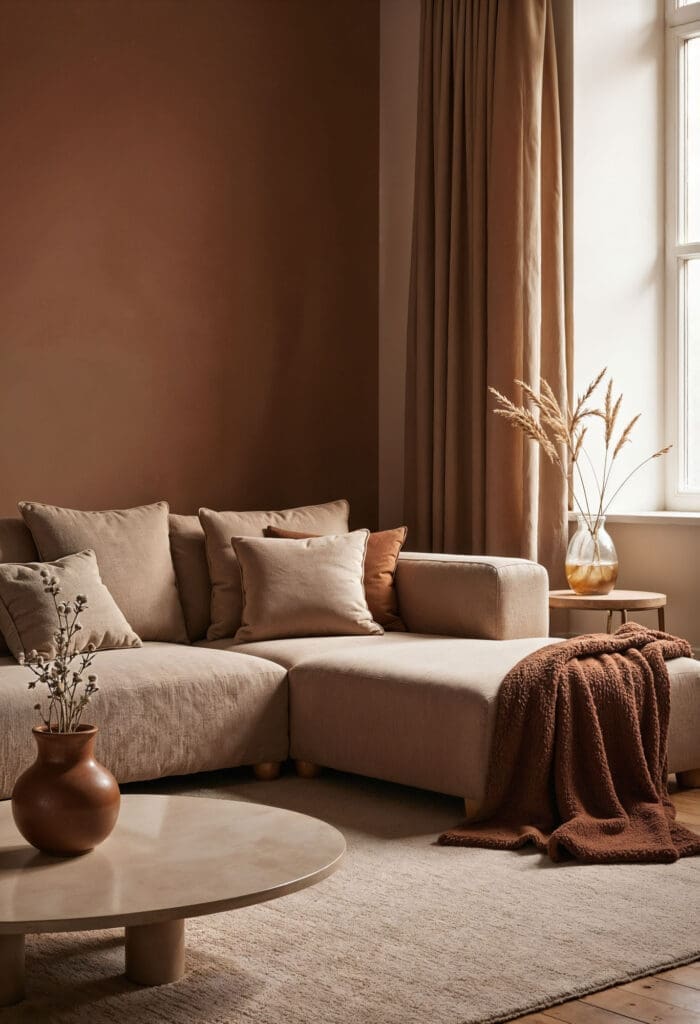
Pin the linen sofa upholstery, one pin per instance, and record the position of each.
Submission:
(163, 709)
(408, 708)
(189, 552)
(419, 709)
(482, 597)
(684, 722)
(16, 545)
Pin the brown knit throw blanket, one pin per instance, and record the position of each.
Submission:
(578, 764)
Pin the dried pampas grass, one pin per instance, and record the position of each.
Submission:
(560, 432)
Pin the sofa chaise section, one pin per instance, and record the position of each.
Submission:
(418, 708)
(162, 709)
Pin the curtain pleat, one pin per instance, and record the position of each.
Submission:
(487, 279)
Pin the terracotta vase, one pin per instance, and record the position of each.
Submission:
(66, 803)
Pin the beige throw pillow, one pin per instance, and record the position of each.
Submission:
(220, 527)
(308, 587)
(133, 553)
(28, 618)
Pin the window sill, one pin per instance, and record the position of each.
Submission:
(650, 518)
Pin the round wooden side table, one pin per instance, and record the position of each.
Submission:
(622, 601)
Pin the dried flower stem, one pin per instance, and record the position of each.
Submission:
(62, 677)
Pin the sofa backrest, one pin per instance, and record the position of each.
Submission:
(16, 545)
(189, 558)
(192, 572)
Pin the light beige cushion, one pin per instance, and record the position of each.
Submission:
(164, 709)
(190, 560)
(16, 545)
(28, 617)
(419, 711)
(220, 527)
(133, 553)
(310, 587)
(473, 596)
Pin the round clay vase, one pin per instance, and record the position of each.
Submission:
(66, 803)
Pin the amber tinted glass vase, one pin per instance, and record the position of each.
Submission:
(591, 559)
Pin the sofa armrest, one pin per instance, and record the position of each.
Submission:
(480, 597)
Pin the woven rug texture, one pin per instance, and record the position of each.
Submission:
(406, 932)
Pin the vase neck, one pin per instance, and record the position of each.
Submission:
(65, 748)
(592, 523)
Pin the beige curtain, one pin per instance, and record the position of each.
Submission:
(487, 279)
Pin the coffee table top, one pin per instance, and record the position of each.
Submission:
(616, 600)
(168, 857)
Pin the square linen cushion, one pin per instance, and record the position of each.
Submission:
(383, 550)
(28, 617)
(220, 527)
(133, 552)
(303, 587)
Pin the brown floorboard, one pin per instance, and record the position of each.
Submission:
(670, 997)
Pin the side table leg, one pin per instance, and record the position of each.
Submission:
(623, 616)
(662, 619)
(11, 969)
(608, 624)
(155, 953)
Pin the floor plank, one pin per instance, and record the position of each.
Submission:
(669, 997)
(641, 1008)
(666, 992)
(578, 1012)
(688, 975)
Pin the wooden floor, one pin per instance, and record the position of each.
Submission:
(672, 997)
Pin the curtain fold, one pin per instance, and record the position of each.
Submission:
(487, 280)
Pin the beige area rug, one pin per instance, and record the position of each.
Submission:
(406, 932)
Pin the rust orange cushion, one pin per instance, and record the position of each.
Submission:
(383, 550)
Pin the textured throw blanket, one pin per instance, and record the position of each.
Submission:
(578, 764)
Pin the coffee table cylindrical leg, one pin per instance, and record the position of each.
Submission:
(155, 953)
(11, 969)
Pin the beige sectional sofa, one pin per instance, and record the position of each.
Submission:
(414, 708)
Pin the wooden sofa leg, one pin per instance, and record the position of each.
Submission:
(689, 780)
(265, 771)
(307, 769)
(471, 809)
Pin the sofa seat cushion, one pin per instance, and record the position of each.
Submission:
(405, 707)
(420, 709)
(294, 650)
(420, 712)
(162, 709)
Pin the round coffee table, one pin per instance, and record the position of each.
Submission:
(169, 858)
(621, 601)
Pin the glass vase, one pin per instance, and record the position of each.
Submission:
(591, 559)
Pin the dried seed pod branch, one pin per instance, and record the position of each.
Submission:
(68, 692)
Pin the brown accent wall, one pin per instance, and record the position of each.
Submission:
(188, 253)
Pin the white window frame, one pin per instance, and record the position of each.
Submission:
(682, 23)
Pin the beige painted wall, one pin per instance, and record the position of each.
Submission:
(663, 557)
(618, 244)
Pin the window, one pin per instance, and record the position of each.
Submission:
(683, 252)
